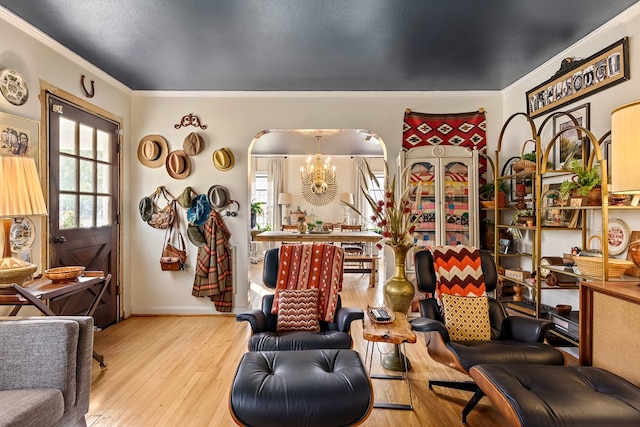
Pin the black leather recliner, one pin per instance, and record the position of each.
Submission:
(514, 339)
(332, 335)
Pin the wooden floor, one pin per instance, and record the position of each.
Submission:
(177, 371)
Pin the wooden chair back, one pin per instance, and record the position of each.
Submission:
(289, 227)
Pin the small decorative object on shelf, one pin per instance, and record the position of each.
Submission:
(554, 215)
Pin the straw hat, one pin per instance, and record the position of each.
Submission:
(223, 159)
(192, 144)
(152, 151)
(218, 197)
(178, 164)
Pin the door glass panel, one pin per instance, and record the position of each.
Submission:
(86, 141)
(103, 146)
(68, 211)
(67, 136)
(86, 176)
(425, 173)
(87, 211)
(103, 212)
(456, 193)
(67, 173)
(103, 179)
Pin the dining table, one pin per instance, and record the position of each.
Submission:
(318, 236)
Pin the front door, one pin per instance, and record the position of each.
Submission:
(83, 201)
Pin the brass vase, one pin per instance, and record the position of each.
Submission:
(398, 291)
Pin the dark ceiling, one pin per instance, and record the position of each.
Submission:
(316, 45)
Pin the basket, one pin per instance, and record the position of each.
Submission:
(592, 265)
(526, 166)
(392, 315)
(64, 273)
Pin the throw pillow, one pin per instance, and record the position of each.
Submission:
(458, 271)
(466, 318)
(298, 310)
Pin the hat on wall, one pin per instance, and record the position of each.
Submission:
(184, 199)
(146, 208)
(192, 144)
(195, 236)
(223, 159)
(178, 164)
(219, 197)
(152, 151)
(199, 211)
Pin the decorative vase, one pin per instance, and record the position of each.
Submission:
(398, 291)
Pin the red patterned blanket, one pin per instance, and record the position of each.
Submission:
(307, 266)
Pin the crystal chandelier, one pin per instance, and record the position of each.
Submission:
(318, 175)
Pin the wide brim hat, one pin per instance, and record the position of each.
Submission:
(178, 164)
(223, 159)
(199, 211)
(218, 197)
(195, 236)
(192, 144)
(153, 151)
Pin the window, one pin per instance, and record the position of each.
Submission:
(376, 193)
(260, 188)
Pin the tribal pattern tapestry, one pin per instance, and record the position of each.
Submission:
(461, 129)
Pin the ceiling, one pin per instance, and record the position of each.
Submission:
(304, 142)
(316, 45)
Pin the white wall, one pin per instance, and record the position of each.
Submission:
(38, 58)
(233, 120)
(601, 105)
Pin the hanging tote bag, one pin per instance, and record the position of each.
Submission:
(162, 217)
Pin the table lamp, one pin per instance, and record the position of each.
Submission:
(284, 199)
(625, 151)
(20, 196)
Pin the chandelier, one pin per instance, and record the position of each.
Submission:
(319, 176)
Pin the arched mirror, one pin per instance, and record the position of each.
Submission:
(307, 171)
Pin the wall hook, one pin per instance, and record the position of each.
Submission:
(84, 89)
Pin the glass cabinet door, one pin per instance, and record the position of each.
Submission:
(427, 173)
(456, 203)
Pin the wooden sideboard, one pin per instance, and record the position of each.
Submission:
(609, 327)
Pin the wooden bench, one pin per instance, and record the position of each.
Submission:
(372, 269)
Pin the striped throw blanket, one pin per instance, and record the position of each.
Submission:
(308, 266)
(458, 271)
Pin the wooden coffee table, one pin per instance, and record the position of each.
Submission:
(399, 333)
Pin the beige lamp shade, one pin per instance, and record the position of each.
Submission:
(284, 198)
(20, 190)
(625, 150)
(346, 198)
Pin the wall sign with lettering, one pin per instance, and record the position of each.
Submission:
(577, 79)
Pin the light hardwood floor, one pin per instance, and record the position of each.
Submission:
(177, 371)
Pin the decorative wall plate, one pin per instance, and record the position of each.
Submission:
(22, 234)
(13, 86)
(618, 235)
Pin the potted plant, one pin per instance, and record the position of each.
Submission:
(256, 209)
(585, 183)
(487, 192)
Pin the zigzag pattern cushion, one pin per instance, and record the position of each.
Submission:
(466, 318)
(458, 271)
(298, 310)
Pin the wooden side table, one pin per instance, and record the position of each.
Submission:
(399, 333)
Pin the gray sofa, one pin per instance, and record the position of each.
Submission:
(45, 374)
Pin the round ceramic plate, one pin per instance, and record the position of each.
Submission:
(618, 235)
(22, 235)
(13, 87)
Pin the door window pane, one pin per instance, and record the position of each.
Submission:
(86, 141)
(103, 180)
(86, 176)
(67, 173)
(67, 136)
(68, 212)
(86, 211)
(103, 146)
(103, 211)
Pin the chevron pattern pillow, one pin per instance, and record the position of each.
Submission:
(298, 310)
(466, 318)
(458, 271)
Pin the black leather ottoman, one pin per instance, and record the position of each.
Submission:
(301, 388)
(568, 396)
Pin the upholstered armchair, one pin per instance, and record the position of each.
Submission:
(265, 337)
(513, 339)
(45, 374)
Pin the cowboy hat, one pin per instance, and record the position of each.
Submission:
(152, 151)
(178, 164)
(195, 236)
(223, 159)
(199, 211)
(218, 197)
(192, 144)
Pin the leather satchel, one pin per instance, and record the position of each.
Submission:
(174, 258)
